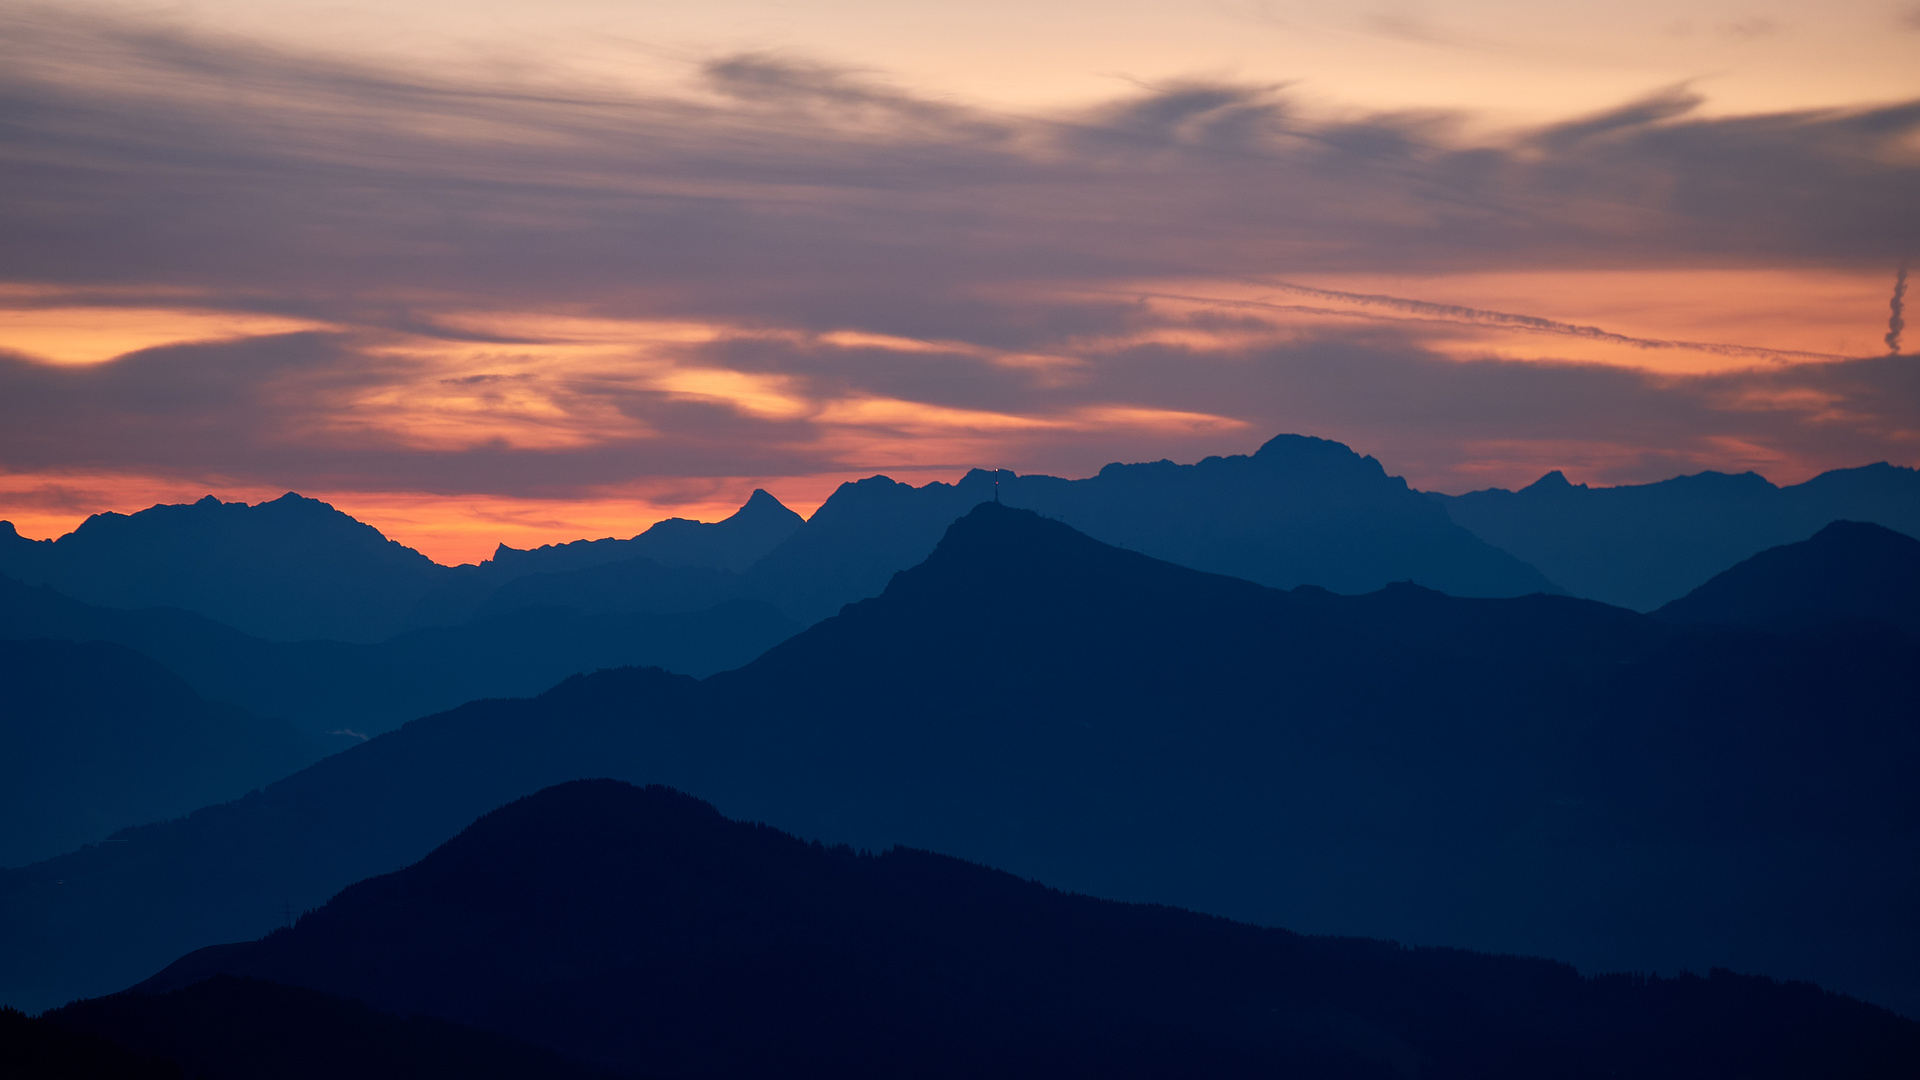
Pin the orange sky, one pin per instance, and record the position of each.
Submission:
(533, 272)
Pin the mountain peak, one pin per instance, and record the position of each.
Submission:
(1553, 482)
(1291, 445)
(761, 509)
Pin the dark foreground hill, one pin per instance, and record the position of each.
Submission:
(35, 1049)
(1643, 545)
(1300, 511)
(95, 737)
(245, 1029)
(335, 686)
(1537, 775)
(641, 928)
(1848, 571)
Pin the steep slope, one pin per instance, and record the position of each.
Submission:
(1539, 774)
(1643, 545)
(641, 927)
(95, 737)
(1300, 511)
(1849, 570)
(286, 570)
(245, 1029)
(331, 686)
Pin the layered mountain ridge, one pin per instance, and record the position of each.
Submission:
(1644, 545)
(1538, 774)
(642, 929)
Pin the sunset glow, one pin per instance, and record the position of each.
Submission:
(551, 271)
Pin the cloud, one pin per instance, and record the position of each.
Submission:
(293, 411)
(787, 269)
(149, 156)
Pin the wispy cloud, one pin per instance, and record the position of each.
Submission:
(534, 289)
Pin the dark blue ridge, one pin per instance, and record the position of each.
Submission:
(1535, 775)
(642, 929)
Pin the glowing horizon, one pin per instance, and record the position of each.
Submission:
(562, 271)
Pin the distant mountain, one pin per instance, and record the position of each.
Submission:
(296, 569)
(734, 543)
(245, 1029)
(642, 928)
(1300, 511)
(1848, 571)
(95, 737)
(676, 565)
(1539, 775)
(286, 570)
(331, 686)
(1643, 545)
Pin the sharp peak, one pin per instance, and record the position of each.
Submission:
(1554, 480)
(291, 498)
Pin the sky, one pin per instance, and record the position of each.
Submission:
(524, 272)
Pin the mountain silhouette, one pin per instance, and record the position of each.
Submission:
(37, 1049)
(640, 927)
(676, 565)
(1299, 511)
(95, 737)
(331, 686)
(246, 1029)
(1849, 570)
(1643, 545)
(286, 570)
(296, 569)
(1537, 775)
(734, 543)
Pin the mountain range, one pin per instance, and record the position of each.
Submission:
(1539, 774)
(296, 569)
(639, 929)
(1299, 511)
(1643, 545)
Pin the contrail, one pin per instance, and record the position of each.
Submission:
(1454, 313)
(1898, 320)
